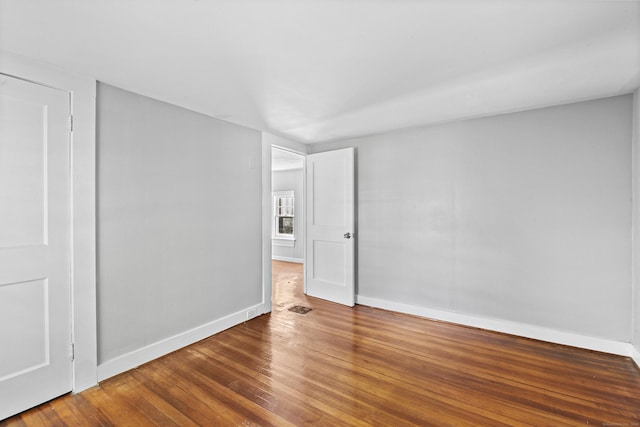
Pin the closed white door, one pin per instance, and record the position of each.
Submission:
(330, 272)
(35, 245)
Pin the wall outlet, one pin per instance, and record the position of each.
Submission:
(251, 313)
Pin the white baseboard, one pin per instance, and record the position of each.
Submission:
(146, 354)
(508, 327)
(635, 356)
(287, 259)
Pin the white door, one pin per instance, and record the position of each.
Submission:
(35, 253)
(330, 226)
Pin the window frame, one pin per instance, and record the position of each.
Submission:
(276, 196)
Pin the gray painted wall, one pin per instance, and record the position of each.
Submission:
(524, 217)
(179, 220)
(288, 180)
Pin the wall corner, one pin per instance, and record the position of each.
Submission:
(635, 228)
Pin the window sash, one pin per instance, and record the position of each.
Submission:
(284, 214)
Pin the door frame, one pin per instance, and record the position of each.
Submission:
(270, 141)
(300, 218)
(83, 211)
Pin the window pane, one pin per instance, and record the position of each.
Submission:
(285, 225)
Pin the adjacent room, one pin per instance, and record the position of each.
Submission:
(319, 212)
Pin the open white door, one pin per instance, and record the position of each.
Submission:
(35, 245)
(330, 226)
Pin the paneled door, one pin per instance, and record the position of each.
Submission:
(330, 226)
(35, 245)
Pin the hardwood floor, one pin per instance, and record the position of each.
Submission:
(361, 366)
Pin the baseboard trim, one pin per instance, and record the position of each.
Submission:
(287, 259)
(508, 327)
(150, 352)
(635, 356)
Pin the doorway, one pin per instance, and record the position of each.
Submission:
(309, 206)
(287, 201)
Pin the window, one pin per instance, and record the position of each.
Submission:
(283, 203)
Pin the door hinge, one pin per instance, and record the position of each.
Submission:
(73, 351)
(70, 123)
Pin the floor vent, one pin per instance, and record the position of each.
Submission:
(300, 309)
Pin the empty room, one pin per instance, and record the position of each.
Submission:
(284, 213)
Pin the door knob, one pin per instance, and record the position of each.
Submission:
(347, 235)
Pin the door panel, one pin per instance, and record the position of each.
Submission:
(330, 226)
(35, 245)
(22, 169)
(329, 192)
(25, 348)
(329, 262)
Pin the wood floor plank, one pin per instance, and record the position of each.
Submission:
(113, 410)
(130, 392)
(323, 397)
(414, 371)
(193, 401)
(356, 366)
(69, 414)
(195, 367)
(93, 410)
(418, 398)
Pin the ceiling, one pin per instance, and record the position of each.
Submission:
(282, 160)
(320, 70)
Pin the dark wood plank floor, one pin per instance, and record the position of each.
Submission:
(361, 366)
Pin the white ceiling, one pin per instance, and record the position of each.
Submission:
(317, 70)
(282, 160)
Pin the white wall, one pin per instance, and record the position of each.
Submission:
(180, 223)
(636, 227)
(291, 180)
(523, 217)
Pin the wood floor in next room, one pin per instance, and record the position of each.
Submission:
(342, 366)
